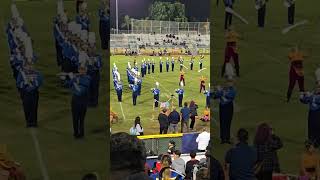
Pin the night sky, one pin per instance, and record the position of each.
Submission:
(138, 9)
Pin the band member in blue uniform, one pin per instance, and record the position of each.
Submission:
(94, 66)
(104, 24)
(313, 100)
(152, 66)
(118, 88)
(261, 7)
(160, 64)
(180, 93)
(201, 61)
(167, 64)
(135, 90)
(156, 93)
(82, 18)
(28, 84)
(191, 63)
(290, 4)
(79, 85)
(172, 64)
(149, 66)
(143, 68)
(207, 93)
(226, 97)
(139, 83)
(228, 16)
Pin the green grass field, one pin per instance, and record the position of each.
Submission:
(64, 157)
(264, 68)
(169, 81)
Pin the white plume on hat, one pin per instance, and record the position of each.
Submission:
(92, 38)
(135, 80)
(78, 30)
(64, 18)
(72, 27)
(229, 71)
(83, 58)
(14, 11)
(28, 45)
(60, 8)
(157, 84)
(318, 75)
(181, 84)
(84, 6)
(84, 35)
(129, 65)
(209, 85)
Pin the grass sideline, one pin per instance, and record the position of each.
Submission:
(264, 73)
(64, 157)
(169, 81)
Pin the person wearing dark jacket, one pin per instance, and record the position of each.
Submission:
(190, 165)
(193, 111)
(174, 119)
(163, 121)
(267, 144)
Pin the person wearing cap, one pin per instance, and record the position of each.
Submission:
(94, 68)
(226, 96)
(135, 91)
(172, 64)
(104, 24)
(207, 93)
(201, 61)
(180, 93)
(160, 64)
(313, 100)
(152, 66)
(167, 64)
(82, 17)
(156, 94)
(79, 85)
(191, 63)
(296, 73)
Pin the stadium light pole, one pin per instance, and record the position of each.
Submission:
(117, 17)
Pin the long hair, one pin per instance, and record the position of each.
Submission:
(263, 134)
(137, 121)
(166, 162)
(192, 104)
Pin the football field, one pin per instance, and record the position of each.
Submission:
(264, 68)
(169, 82)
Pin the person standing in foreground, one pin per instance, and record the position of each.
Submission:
(163, 121)
(240, 160)
(267, 144)
(313, 100)
(180, 92)
(174, 119)
(156, 94)
(226, 97)
(203, 140)
(193, 113)
(79, 85)
(135, 91)
(190, 164)
(185, 116)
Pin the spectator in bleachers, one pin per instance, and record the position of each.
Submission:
(127, 157)
(174, 119)
(266, 144)
(240, 160)
(185, 116)
(171, 147)
(310, 162)
(203, 140)
(190, 165)
(178, 163)
(163, 121)
(157, 165)
(166, 172)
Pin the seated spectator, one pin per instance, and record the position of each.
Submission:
(190, 165)
(203, 140)
(9, 169)
(240, 160)
(166, 171)
(171, 147)
(267, 145)
(310, 162)
(178, 163)
(206, 115)
(138, 126)
(127, 157)
(90, 176)
(157, 165)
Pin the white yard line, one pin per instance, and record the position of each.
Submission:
(124, 117)
(43, 168)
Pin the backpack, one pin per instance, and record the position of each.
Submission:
(133, 131)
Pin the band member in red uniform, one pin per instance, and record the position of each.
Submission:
(296, 73)
(231, 51)
(182, 78)
(202, 83)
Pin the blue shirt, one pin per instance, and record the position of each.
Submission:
(185, 113)
(29, 80)
(117, 85)
(180, 91)
(83, 21)
(79, 85)
(241, 159)
(226, 95)
(134, 88)
(155, 91)
(313, 101)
